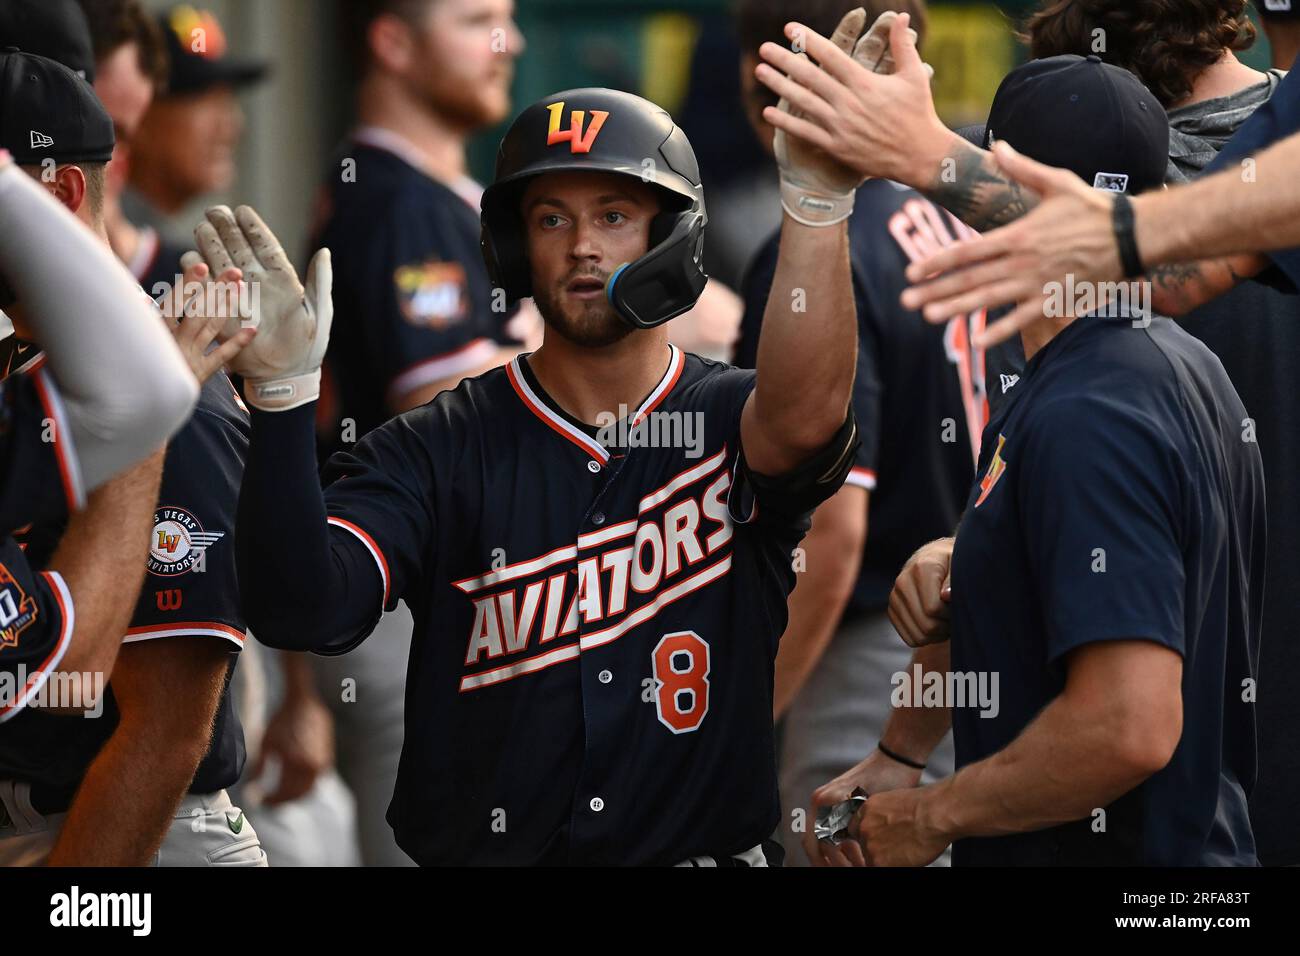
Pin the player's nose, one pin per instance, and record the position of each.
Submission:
(584, 242)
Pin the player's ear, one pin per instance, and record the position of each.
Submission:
(68, 186)
(390, 43)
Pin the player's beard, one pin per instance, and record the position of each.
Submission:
(591, 324)
(468, 105)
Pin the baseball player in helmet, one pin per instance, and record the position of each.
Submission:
(595, 540)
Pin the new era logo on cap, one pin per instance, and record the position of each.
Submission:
(41, 141)
(1278, 6)
(1111, 182)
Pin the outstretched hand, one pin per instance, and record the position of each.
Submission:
(281, 367)
(875, 123)
(204, 319)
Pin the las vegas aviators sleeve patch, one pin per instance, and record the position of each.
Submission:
(191, 587)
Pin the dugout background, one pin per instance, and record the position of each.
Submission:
(645, 46)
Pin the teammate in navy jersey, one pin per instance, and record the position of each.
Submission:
(186, 624)
(1112, 552)
(399, 212)
(37, 478)
(411, 282)
(90, 438)
(167, 690)
(596, 609)
(1107, 573)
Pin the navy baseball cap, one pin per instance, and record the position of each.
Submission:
(1090, 117)
(48, 112)
(197, 53)
(53, 28)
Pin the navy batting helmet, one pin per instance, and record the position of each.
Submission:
(604, 131)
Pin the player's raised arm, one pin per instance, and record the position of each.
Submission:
(808, 347)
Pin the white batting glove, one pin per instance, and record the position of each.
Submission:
(817, 190)
(281, 367)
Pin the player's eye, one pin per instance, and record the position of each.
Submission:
(614, 217)
(550, 220)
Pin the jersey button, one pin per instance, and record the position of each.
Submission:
(605, 676)
(597, 804)
(593, 466)
(598, 518)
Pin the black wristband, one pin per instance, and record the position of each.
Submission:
(899, 759)
(1123, 221)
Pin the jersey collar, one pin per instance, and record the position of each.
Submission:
(377, 137)
(541, 407)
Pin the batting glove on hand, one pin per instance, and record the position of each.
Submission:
(281, 367)
(816, 189)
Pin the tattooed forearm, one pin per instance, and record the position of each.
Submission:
(1177, 288)
(970, 185)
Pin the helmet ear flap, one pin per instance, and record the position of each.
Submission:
(504, 248)
(668, 279)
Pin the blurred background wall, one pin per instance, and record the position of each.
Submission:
(680, 54)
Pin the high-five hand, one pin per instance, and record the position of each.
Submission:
(845, 105)
(282, 364)
(816, 189)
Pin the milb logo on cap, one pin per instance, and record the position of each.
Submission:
(578, 142)
(1111, 182)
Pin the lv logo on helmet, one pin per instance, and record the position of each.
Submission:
(574, 136)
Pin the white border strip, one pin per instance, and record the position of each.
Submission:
(465, 358)
(592, 447)
(862, 477)
(34, 684)
(371, 545)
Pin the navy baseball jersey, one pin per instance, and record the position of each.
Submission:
(190, 592)
(412, 300)
(35, 629)
(921, 391)
(590, 678)
(1120, 497)
(39, 473)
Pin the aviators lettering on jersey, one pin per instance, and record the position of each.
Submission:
(622, 575)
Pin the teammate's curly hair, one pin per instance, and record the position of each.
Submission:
(1166, 43)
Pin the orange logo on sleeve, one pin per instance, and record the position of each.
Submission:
(18, 610)
(578, 141)
(996, 467)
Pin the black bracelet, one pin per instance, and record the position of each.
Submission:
(899, 759)
(1122, 220)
